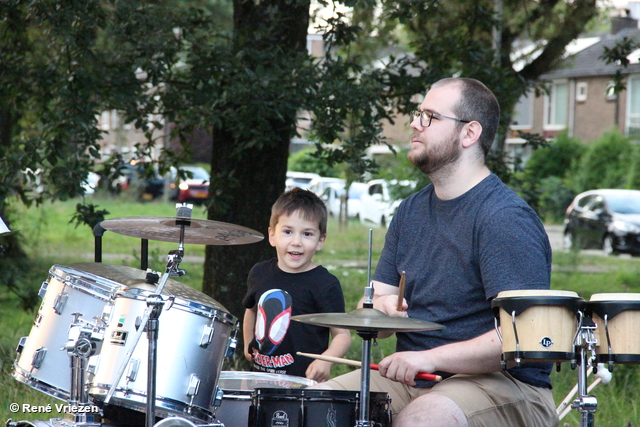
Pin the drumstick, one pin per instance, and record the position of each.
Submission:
(358, 364)
(401, 291)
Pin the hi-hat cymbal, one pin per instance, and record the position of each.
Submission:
(368, 319)
(199, 231)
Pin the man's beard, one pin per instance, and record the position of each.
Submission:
(434, 158)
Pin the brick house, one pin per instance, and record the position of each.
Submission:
(580, 97)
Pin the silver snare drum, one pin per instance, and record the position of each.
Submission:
(42, 363)
(238, 387)
(195, 333)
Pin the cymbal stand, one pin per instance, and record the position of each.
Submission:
(367, 336)
(83, 341)
(151, 317)
(584, 403)
(365, 373)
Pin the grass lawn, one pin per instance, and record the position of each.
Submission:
(50, 239)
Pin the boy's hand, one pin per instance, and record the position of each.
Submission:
(318, 370)
(247, 356)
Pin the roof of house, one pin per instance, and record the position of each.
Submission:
(588, 62)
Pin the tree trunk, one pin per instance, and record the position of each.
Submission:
(260, 180)
(244, 189)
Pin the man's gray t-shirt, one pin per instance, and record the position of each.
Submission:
(459, 254)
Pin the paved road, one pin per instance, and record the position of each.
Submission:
(555, 236)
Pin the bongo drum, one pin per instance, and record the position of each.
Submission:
(617, 317)
(538, 325)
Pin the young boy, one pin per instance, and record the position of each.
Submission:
(290, 285)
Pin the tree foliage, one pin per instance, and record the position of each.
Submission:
(239, 71)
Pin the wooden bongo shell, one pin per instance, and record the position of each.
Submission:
(622, 312)
(546, 322)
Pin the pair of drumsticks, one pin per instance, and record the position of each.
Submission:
(356, 363)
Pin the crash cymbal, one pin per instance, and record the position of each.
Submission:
(367, 319)
(199, 231)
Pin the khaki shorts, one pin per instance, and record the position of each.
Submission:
(491, 400)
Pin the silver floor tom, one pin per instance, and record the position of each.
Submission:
(195, 335)
(42, 362)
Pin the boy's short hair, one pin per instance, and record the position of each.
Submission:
(311, 207)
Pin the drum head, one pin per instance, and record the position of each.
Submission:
(135, 282)
(242, 380)
(536, 293)
(615, 297)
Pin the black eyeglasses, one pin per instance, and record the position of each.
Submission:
(427, 116)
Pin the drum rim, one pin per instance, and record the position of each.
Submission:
(521, 303)
(313, 393)
(183, 304)
(251, 375)
(25, 377)
(105, 291)
(610, 308)
(136, 400)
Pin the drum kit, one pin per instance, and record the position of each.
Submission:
(88, 347)
(559, 326)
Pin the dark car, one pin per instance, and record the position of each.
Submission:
(137, 175)
(194, 187)
(604, 219)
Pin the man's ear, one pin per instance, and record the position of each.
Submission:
(471, 134)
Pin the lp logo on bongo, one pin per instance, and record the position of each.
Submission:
(546, 342)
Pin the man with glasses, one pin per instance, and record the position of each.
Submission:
(461, 240)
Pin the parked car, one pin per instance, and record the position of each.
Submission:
(193, 188)
(90, 184)
(318, 185)
(377, 206)
(604, 219)
(333, 193)
(299, 179)
(132, 175)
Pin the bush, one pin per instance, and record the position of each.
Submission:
(305, 161)
(605, 164)
(554, 197)
(632, 181)
(554, 160)
(542, 183)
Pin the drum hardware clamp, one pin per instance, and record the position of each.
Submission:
(84, 341)
(584, 403)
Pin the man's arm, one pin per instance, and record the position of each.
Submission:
(385, 299)
(248, 326)
(475, 356)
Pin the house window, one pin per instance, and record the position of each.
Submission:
(581, 92)
(610, 94)
(523, 113)
(557, 106)
(633, 108)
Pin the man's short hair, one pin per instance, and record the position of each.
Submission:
(476, 103)
(310, 206)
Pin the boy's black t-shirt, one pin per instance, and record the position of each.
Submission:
(278, 296)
